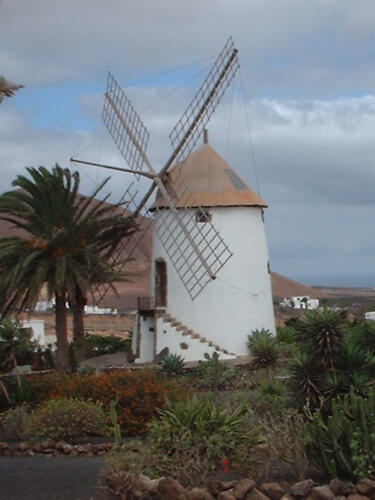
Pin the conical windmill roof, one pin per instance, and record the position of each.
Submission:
(211, 182)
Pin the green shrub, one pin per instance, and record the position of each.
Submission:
(263, 348)
(173, 364)
(202, 425)
(97, 345)
(213, 373)
(13, 423)
(286, 334)
(140, 393)
(66, 419)
(344, 443)
(188, 440)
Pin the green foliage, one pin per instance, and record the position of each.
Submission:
(196, 432)
(362, 333)
(96, 345)
(66, 419)
(173, 364)
(13, 422)
(263, 348)
(214, 373)
(344, 443)
(321, 333)
(16, 346)
(286, 334)
(114, 420)
(332, 360)
(86, 370)
(66, 243)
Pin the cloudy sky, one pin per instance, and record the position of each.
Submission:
(298, 123)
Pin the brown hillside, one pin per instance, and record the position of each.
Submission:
(139, 278)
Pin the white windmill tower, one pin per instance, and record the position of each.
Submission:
(210, 283)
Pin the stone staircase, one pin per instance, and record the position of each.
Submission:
(186, 331)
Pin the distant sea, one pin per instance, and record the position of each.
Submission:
(340, 281)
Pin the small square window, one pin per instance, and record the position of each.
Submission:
(202, 215)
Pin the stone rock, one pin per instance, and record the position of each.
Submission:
(199, 494)
(272, 490)
(226, 485)
(339, 497)
(22, 446)
(160, 357)
(226, 495)
(303, 488)
(341, 488)
(357, 496)
(74, 453)
(242, 487)
(366, 487)
(322, 493)
(60, 446)
(169, 488)
(66, 448)
(47, 451)
(256, 494)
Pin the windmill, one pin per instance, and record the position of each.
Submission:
(210, 289)
(197, 253)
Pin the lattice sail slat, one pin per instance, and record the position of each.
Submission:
(124, 125)
(189, 128)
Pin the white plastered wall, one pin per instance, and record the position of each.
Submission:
(240, 299)
(145, 329)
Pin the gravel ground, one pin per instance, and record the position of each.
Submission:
(58, 478)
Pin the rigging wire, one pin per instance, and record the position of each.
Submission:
(172, 91)
(154, 76)
(249, 134)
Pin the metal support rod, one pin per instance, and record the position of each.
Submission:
(192, 127)
(110, 167)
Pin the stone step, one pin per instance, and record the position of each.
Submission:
(185, 331)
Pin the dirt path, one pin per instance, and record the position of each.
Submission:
(58, 478)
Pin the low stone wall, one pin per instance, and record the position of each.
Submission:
(125, 485)
(53, 448)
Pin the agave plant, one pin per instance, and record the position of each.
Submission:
(173, 363)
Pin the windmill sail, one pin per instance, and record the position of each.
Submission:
(196, 250)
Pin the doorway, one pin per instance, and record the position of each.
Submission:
(160, 283)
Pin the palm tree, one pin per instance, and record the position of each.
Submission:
(65, 242)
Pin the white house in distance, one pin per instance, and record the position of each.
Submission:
(301, 302)
(230, 307)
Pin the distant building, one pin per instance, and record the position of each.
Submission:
(37, 330)
(100, 310)
(300, 302)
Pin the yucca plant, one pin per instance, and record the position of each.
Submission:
(264, 349)
(322, 333)
(305, 381)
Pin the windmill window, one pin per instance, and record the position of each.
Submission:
(202, 215)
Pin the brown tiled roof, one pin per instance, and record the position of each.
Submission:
(211, 181)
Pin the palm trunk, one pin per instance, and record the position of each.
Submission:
(62, 354)
(78, 309)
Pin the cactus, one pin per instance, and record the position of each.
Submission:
(114, 420)
(344, 443)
